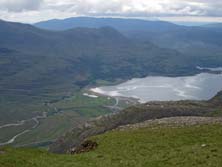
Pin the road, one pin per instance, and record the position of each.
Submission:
(36, 119)
(14, 124)
(115, 107)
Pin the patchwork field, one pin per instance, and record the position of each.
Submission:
(62, 116)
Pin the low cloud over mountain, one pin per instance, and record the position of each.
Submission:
(36, 10)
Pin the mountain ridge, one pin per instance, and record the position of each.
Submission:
(80, 41)
(92, 22)
(201, 44)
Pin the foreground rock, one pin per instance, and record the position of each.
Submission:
(86, 146)
(2, 151)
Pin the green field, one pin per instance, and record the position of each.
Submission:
(70, 112)
(85, 106)
(8, 132)
(198, 146)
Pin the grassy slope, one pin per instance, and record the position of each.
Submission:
(132, 115)
(160, 146)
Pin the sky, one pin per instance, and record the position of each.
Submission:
(31, 11)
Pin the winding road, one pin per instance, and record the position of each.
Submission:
(36, 119)
(115, 107)
(14, 124)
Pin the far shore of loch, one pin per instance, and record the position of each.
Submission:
(202, 86)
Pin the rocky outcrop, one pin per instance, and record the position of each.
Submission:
(173, 122)
(86, 146)
(132, 115)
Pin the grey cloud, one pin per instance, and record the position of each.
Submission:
(20, 5)
(48, 9)
(142, 7)
(214, 9)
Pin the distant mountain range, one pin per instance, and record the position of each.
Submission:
(78, 55)
(213, 25)
(198, 41)
(96, 50)
(123, 25)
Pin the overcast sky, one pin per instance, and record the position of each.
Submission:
(172, 10)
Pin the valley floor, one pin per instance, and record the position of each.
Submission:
(179, 142)
(56, 118)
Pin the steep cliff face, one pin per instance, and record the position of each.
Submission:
(136, 114)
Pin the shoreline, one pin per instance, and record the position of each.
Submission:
(160, 88)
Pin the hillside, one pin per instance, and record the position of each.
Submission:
(201, 45)
(155, 145)
(84, 55)
(136, 114)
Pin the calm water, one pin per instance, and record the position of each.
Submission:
(199, 87)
